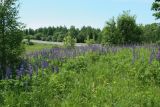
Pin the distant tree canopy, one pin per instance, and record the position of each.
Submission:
(156, 8)
(11, 36)
(151, 33)
(57, 34)
(110, 33)
(123, 31)
(120, 30)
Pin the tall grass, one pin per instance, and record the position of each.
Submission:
(120, 78)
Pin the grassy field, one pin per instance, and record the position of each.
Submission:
(122, 78)
(37, 47)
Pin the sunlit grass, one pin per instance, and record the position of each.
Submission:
(37, 47)
(89, 80)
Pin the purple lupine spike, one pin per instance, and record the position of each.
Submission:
(44, 64)
(158, 55)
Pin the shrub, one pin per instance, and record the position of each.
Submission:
(69, 42)
(38, 36)
(90, 41)
(158, 43)
(78, 64)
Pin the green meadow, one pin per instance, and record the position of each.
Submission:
(111, 79)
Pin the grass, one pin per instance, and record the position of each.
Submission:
(91, 80)
(37, 47)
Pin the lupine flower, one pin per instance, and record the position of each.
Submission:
(158, 55)
(44, 64)
(40, 58)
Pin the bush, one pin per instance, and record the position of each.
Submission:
(78, 64)
(90, 41)
(38, 36)
(158, 43)
(69, 42)
(129, 31)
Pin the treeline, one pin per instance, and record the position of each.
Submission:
(120, 30)
(57, 34)
(125, 30)
(151, 33)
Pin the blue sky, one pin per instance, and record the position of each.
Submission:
(41, 13)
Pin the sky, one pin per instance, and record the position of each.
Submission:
(44, 13)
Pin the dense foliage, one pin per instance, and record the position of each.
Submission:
(151, 33)
(10, 36)
(110, 33)
(57, 34)
(94, 75)
(123, 30)
(128, 30)
(156, 8)
(69, 42)
(109, 76)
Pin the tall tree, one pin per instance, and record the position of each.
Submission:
(128, 28)
(110, 33)
(31, 31)
(156, 8)
(151, 33)
(73, 32)
(11, 35)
